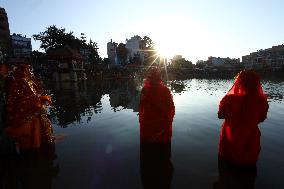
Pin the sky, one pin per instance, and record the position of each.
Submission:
(195, 29)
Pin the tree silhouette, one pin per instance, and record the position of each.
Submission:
(54, 37)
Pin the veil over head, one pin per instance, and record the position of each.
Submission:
(243, 108)
(22, 71)
(154, 77)
(247, 82)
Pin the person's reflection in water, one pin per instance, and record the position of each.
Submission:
(31, 169)
(37, 168)
(156, 114)
(232, 176)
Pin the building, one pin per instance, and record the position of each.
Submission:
(223, 62)
(216, 61)
(271, 58)
(134, 53)
(66, 64)
(21, 46)
(111, 51)
(4, 31)
(133, 46)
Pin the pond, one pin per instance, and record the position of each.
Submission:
(98, 144)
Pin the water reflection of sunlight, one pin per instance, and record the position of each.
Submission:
(274, 90)
(81, 103)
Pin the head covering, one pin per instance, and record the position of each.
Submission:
(22, 71)
(247, 82)
(154, 76)
(243, 108)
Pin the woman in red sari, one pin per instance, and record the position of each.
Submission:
(156, 116)
(27, 120)
(156, 110)
(243, 108)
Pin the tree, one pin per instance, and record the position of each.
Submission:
(147, 45)
(93, 56)
(54, 38)
(37, 56)
(181, 63)
(201, 64)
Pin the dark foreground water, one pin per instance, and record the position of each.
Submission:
(98, 135)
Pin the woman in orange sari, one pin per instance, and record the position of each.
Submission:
(243, 108)
(27, 121)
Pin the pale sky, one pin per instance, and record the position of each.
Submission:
(195, 29)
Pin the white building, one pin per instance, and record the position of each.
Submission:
(111, 51)
(21, 46)
(133, 48)
(133, 45)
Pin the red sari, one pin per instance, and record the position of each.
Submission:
(243, 108)
(156, 113)
(27, 120)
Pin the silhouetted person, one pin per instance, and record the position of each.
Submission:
(243, 108)
(156, 114)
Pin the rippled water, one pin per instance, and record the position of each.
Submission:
(98, 134)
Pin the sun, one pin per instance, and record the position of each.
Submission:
(163, 51)
(170, 34)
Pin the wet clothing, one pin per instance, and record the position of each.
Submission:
(242, 110)
(156, 113)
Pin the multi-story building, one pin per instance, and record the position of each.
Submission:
(223, 63)
(133, 50)
(111, 51)
(217, 61)
(272, 58)
(21, 46)
(4, 31)
(133, 46)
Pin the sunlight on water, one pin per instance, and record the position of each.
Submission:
(98, 128)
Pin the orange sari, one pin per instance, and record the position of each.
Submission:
(27, 119)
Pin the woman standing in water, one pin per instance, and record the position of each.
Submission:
(27, 120)
(156, 114)
(243, 108)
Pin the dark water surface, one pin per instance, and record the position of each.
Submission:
(98, 134)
